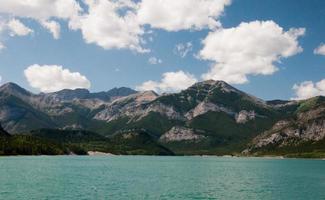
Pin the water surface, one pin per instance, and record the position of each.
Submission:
(153, 177)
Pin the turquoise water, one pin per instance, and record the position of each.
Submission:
(145, 177)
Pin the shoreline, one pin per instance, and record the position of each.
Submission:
(104, 154)
(99, 153)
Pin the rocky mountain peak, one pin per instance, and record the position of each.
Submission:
(68, 94)
(139, 98)
(146, 96)
(14, 89)
(213, 84)
(121, 91)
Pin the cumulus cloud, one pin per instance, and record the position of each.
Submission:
(320, 50)
(175, 15)
(42, 11)
(308, 89)
(110, 24)
(249, 49)
(118, 24)
(51, 78)
(170, 82)
(154, 61)
(16, 27)
(183, 49)
(106, 23)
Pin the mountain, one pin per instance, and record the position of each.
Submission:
(300, 135)
(210, 117)
(69, 95)
(22, 111)
(222, 116)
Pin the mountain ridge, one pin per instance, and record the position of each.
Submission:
(209, 117)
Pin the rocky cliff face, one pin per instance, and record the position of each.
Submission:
(178, 134)
(305, 126)
(133, 106)
(204, 107)
(243, 116)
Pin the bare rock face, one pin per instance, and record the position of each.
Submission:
(272, 136)
(89, 103)
(307, 126)
(244, 116)
(73, 127)
(136, 107)
(163, 109)
(177, 134)
(314, 131)
(205, 107)
(130, 135)
(129, 106)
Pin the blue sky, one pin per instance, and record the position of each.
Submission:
(110, 67)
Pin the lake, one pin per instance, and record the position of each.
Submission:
(153, 177)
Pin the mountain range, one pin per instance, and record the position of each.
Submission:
(210, 117)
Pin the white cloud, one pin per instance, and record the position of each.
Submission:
(105, 26)
(42, 11)
(183, 49)
(118, 24)
(320, 50)
(12, 27)
(170, 82)
(249, 49)
(175, 15)
(154, 61)
(106, 23)
(308, 89)
(53, 27)
(16, 27)
(2, 46)
(51, 78)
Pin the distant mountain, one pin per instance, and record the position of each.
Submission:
(69, 95)
(15, 90)
(21, 110)
(210, 117)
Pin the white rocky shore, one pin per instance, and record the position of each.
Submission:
(98, 153)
